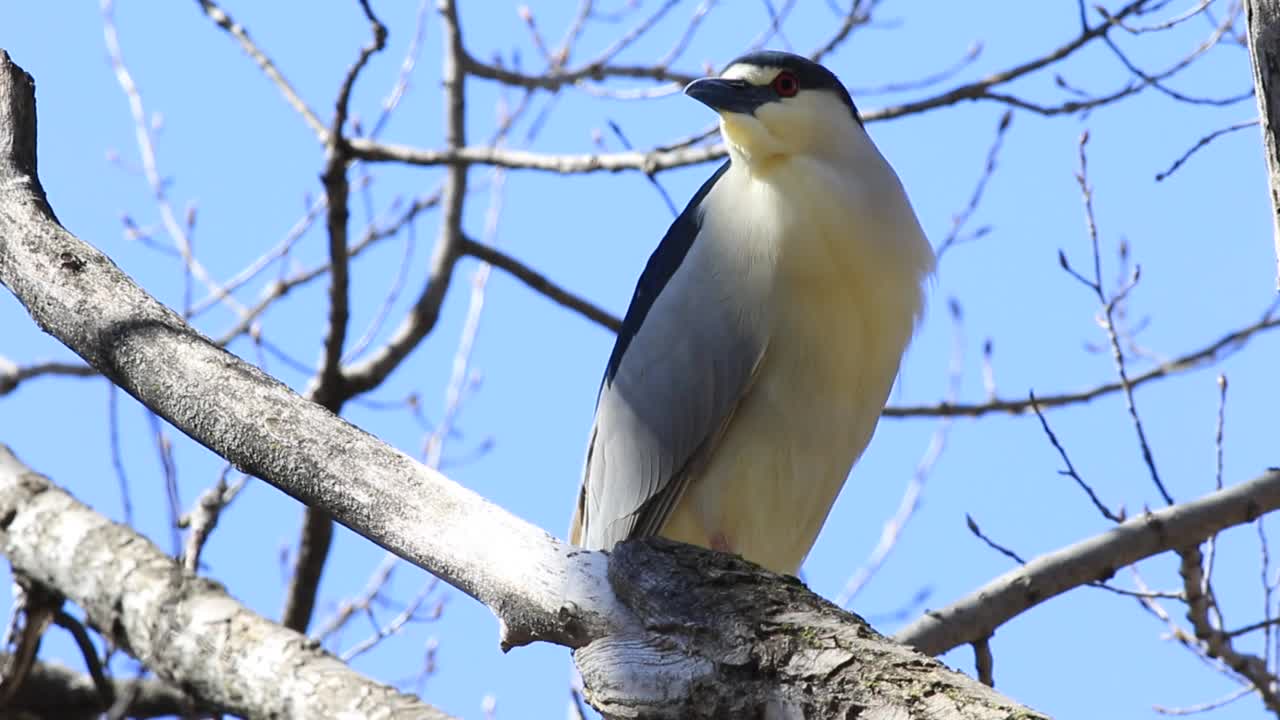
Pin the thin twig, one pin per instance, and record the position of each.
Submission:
(540, 283)
(146, 150)
(977, 532)
(959, 220)
(1071, 470)
(1108, 319)
(250, 48)
(1211, 353)
(1203, 142)
(12, 375)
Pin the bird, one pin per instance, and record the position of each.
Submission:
(765, 332)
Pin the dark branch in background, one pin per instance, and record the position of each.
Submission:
(991, 543)
(117, 456)
(539, 283)
(90, 654)
(317, 526)
(327, 386)
(371, 372)
(1070, 470)
(337, 190)
(35, 605)
(1202, 142)
(1155, 80)
(280, 251)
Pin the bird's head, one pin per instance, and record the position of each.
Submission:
(776, 104)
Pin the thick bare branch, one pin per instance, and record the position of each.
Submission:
(186, 629)
(978, 614)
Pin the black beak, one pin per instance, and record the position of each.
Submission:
(734, 96)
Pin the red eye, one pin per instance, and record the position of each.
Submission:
(785, 84)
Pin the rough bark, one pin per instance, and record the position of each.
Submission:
(726, 639)
(752, 645)
(185, 628)
(1263, 19)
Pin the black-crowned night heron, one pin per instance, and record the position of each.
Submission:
(765, 332)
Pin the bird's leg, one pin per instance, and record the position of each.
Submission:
(720, 543)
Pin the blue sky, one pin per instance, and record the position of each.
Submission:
(231, 148)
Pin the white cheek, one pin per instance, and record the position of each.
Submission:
(782, 119)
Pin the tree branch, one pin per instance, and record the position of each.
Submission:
(187, 630)
(12, 375)
(978, 614)
(1212, 352)
(540, 283)
(250, 48)
(422, 318)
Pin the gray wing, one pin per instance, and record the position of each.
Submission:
(684, 358)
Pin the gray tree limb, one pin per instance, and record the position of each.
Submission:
(751, 640)
(1263, 19)
(978, 614)
(186, 629)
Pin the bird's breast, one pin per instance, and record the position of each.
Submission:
(826, 271)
